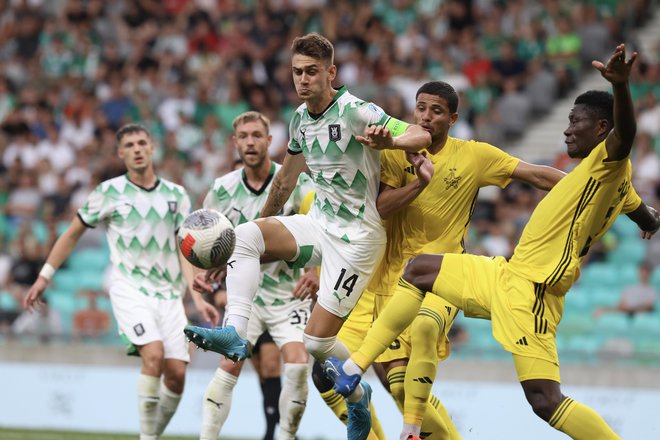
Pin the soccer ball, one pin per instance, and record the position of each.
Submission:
(206, 238)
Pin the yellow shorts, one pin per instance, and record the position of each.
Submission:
(401, 347)
(524, 317)
(357, 324)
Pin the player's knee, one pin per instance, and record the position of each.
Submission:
(319, 348)
(249, 240)
(321, 381)
(418, 272)
(175, 381)
(425, 329)
(544, 404)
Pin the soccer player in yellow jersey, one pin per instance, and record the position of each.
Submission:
(524, 297)
(427, 202)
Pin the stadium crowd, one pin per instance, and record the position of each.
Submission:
(74, 71)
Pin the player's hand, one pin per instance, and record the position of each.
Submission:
(209, 312)
(201, 285)
(617, 69)
(32, 301)
(307, 286)
(377, 137)
(217, 274)
(423, 167)
(646, 235)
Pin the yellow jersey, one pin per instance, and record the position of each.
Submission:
(437, 220)
(571, 217)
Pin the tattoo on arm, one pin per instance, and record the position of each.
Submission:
(276, 198)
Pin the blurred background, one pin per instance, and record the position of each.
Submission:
(73, 71)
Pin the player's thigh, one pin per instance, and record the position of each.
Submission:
(136, 314)
(525, 318)
(172, 320)
(286, 322)
(280, 244)
(300, 245)
(346, 270)
(269, 360)
(468, 282)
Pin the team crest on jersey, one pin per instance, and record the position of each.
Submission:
(172, 205)
(334, 132)
(452, 179)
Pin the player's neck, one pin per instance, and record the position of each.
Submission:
(257, 176)
(319, 105)
(435, 147)
(145, 178)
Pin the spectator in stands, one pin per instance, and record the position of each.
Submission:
(47, 327)
(90, 322)
(638, 298)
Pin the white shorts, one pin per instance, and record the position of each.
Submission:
(285, 323)
(143, 319)
(346, 268)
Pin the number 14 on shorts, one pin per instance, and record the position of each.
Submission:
(346, 283)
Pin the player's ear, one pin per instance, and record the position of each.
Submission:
(332, 72)
(453, 118)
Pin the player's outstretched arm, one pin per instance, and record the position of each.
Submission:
(379, 137)
(58, 255)
(647, 219)
(617, 71)
(539, 176)
(284, 183)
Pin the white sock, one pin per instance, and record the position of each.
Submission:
(293, 399)
(410, 429)
(169, 401)
(323, 348)
(148, 399)
(352, 368)
(216, 404)
(243, 275)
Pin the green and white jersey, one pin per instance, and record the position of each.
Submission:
(141, 231)
(239, 202)
(345, 173)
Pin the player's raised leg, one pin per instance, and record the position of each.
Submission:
(262, 240)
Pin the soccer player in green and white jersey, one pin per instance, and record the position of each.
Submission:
(283, 301)
(338, 137)
(142, 214)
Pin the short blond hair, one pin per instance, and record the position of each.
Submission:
(251, 116)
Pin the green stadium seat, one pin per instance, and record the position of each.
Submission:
(613, 324)
(605, 296)
(67, 280)
(629, 274)
(90, 260)
(580, 349)
(625, 228)
(7, 301)
(630, 251)
(655, 278)
(575, 323)
(646, 324)
(599, 274)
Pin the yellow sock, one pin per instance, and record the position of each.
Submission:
(436, 419)
(337, 404)
(396, 377)
(396, 316)
(580, 422)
